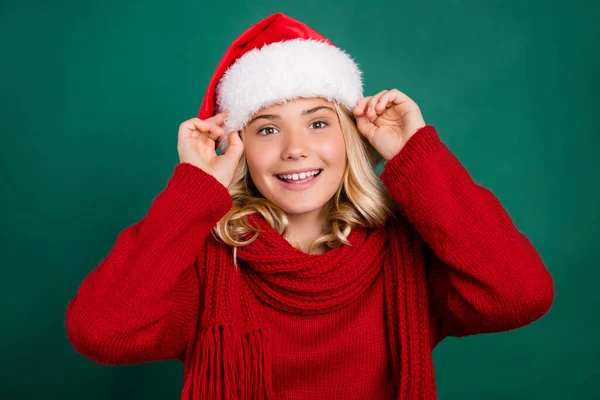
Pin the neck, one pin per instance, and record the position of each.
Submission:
(306, 228)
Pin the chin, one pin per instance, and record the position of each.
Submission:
(295, 203)
(298, 209)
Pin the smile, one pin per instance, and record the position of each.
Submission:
(299, 177)
(299, 181)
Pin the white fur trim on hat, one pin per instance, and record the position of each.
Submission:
(284, 71)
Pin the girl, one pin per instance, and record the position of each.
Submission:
(284, 268)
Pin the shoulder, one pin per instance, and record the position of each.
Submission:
(403, 236)
(401, 225)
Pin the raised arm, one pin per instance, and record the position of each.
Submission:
(484, 274)
(141, 302)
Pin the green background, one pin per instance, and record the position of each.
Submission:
(93, 93)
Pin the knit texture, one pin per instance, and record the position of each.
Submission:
(460, 267)
(233, 358)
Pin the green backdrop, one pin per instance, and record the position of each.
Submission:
(93, 93)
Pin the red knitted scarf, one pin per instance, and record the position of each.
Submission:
(231, 357)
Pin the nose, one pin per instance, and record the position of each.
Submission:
(295, 145)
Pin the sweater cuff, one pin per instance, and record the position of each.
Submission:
(417, 150)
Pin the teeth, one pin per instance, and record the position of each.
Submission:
(301, 175)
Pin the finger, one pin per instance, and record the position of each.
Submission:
(219, 118)
(360, 105)
(385, 101)
(187, 129)
(373, 101)
(211, 136)
(399, 97)
(213, 131)
(236, 146)
(365, 126)
(196, 124)
(202, 125)
(371, 112)
(209, 145)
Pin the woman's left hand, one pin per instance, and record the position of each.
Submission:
(388, 120)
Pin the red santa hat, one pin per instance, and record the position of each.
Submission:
(276, 60)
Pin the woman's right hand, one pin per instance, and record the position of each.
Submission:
(196, 144)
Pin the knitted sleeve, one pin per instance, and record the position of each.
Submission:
(484, 274)
(141, 302)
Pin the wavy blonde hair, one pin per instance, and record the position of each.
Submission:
(360, 201)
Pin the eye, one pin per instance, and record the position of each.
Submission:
(322, 123)
(266, 128)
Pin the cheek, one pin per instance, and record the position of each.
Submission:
(253, 155)
(252, 161)
(334, 151)
(259, 159)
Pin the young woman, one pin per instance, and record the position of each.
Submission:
(284, 268)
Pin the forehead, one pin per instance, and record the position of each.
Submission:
(298, 104)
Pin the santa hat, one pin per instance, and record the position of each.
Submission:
(276, 60)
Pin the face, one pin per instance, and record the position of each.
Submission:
(296, 154)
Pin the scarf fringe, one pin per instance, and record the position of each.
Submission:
(229, 365)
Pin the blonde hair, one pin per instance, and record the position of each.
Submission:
(360, 201)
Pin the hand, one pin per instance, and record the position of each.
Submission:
(196, 145)
(388, 120)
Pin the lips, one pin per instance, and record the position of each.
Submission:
(299, 176)
(299, 184)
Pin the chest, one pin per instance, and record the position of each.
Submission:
(343, 353)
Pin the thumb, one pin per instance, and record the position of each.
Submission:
(236, 146)
(366, 127)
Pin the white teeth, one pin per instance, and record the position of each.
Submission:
(301, 175)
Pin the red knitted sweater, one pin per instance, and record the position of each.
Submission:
(141, 303)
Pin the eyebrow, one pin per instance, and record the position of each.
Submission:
(305, 112)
